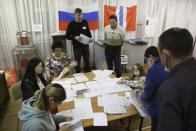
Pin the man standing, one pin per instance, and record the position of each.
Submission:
(74, 29)
(114, 37)
(177, 95)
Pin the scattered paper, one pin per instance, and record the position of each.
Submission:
(114, 110)
(100, 119)
(80, 77)
(83, 108)
(102, 74)
(97, 88)
(138, 106)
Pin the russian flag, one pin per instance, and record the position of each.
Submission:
(126, 16)
(67, 16)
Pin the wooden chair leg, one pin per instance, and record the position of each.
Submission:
(141, 122)
(129, 124)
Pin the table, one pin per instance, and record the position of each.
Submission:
(89, 122)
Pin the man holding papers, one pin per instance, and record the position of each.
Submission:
(78, 31)
(114, 36)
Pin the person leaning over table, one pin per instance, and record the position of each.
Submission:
(156, 75)
(57, 61)
(33, 79)
(114, 37)
(35, 112)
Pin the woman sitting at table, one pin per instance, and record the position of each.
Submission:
(33, 79)
(35, 112)
(57, 61)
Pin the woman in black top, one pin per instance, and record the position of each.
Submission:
(33, 79)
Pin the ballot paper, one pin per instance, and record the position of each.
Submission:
(102, 74)
(138, 105)
(114, 110)
(80, 77)
(85, 39)
(75, 125)
(97, 88)
(100, 119)
(65, 81)
(83, 108)
(65, 71)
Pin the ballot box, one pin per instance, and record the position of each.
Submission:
(24, 39)
(21, 57)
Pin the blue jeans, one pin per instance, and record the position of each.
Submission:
(78, 53)
(113, 56)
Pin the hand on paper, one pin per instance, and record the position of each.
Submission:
(67, 118)
(78, 38)
(65, 128)
(48, 76)
(73, 64)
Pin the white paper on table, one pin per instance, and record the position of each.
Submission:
(137, 105)
(70, 95)
(97, 88)
(114, 110)
(83, 108)
(70, 113)
(80, 77)
(78, 87)
(85, 39)
(65, 81)
(100, 119)
(76, 125)
(102, 74)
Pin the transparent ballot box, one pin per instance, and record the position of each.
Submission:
(21, 57)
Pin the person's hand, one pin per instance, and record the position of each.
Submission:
(65, 128)
(67, 118)
(48, 76)
(73, 64)
(138, 95)
(78, 38)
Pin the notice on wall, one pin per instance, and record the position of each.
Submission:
(37, 27)
(150, 25)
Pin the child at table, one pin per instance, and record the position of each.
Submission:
(137, 77)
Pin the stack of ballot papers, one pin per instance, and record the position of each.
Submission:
(96, 88)
(80, 77)
(138, 105)
(102, 74)
(113, 104)
(75, 125)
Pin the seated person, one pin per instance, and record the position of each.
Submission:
(137, 79)
(57, 61)
(35, 112)
(33, 79)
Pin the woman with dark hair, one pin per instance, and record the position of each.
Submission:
(35, 112)
(57, 61)
(33, 79)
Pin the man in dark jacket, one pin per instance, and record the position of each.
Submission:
(74, 29)
(177, 95)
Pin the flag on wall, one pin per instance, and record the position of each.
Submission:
(90, 15)
(126, 16)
